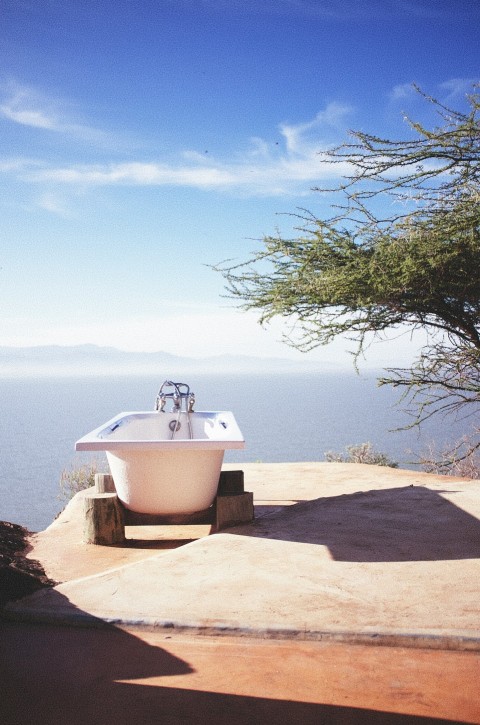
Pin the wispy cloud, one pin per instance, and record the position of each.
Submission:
(54, 204)
(402, 91)
(304, 138)
(451, 89)
(457, 87)
(16, 165)
(29, 107)
(285, 167)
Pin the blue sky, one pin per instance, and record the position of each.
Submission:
(142, 141)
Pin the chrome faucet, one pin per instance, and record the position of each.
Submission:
(181, 392)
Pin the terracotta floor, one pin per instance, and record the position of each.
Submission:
(53, 675)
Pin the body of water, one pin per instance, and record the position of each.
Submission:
(283, 417)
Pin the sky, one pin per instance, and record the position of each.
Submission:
(142, 142)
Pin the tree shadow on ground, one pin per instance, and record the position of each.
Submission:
(410, 523)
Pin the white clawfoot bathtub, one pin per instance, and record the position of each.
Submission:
(155, 473)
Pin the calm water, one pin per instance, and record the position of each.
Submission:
(283, 418)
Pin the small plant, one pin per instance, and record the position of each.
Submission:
(77, 478)
(361, 453)
(463, 460)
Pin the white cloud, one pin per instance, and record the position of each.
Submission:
(455, 88)
(17, 165)
(137, 174)
(402, 91)
(28, 107)
(52, 203)
(280, 176)
(458, 87)
(37, 119)
(304, 138)
(290, 167)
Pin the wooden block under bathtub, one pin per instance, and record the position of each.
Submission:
(233, 509)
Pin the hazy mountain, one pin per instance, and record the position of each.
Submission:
(97, 360)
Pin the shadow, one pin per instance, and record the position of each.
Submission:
(126, 704)
(133, 518)
(411, 523)
(274, 507)
(57, 674)
(56, 623)
(194, 707)
(160, 544)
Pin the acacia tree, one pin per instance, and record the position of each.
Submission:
(365, 271)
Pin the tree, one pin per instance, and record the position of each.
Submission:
(401, 250)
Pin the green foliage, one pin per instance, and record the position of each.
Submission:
(362, 453)
(401, 251)
(361, 273)
(334, 284)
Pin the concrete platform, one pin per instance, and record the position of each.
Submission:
(341, 558)
(360, 553)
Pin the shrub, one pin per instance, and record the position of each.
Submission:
(77, 478)
(361, 453)
(462, 460)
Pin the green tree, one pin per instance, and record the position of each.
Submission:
(401, 250)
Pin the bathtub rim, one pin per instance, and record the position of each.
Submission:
(93, 441)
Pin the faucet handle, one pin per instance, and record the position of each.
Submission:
(160, 403)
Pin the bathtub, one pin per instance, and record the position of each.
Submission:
(156, 466)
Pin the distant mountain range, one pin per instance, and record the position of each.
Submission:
(97, 360)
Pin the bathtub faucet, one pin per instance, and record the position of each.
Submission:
(181, 392)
